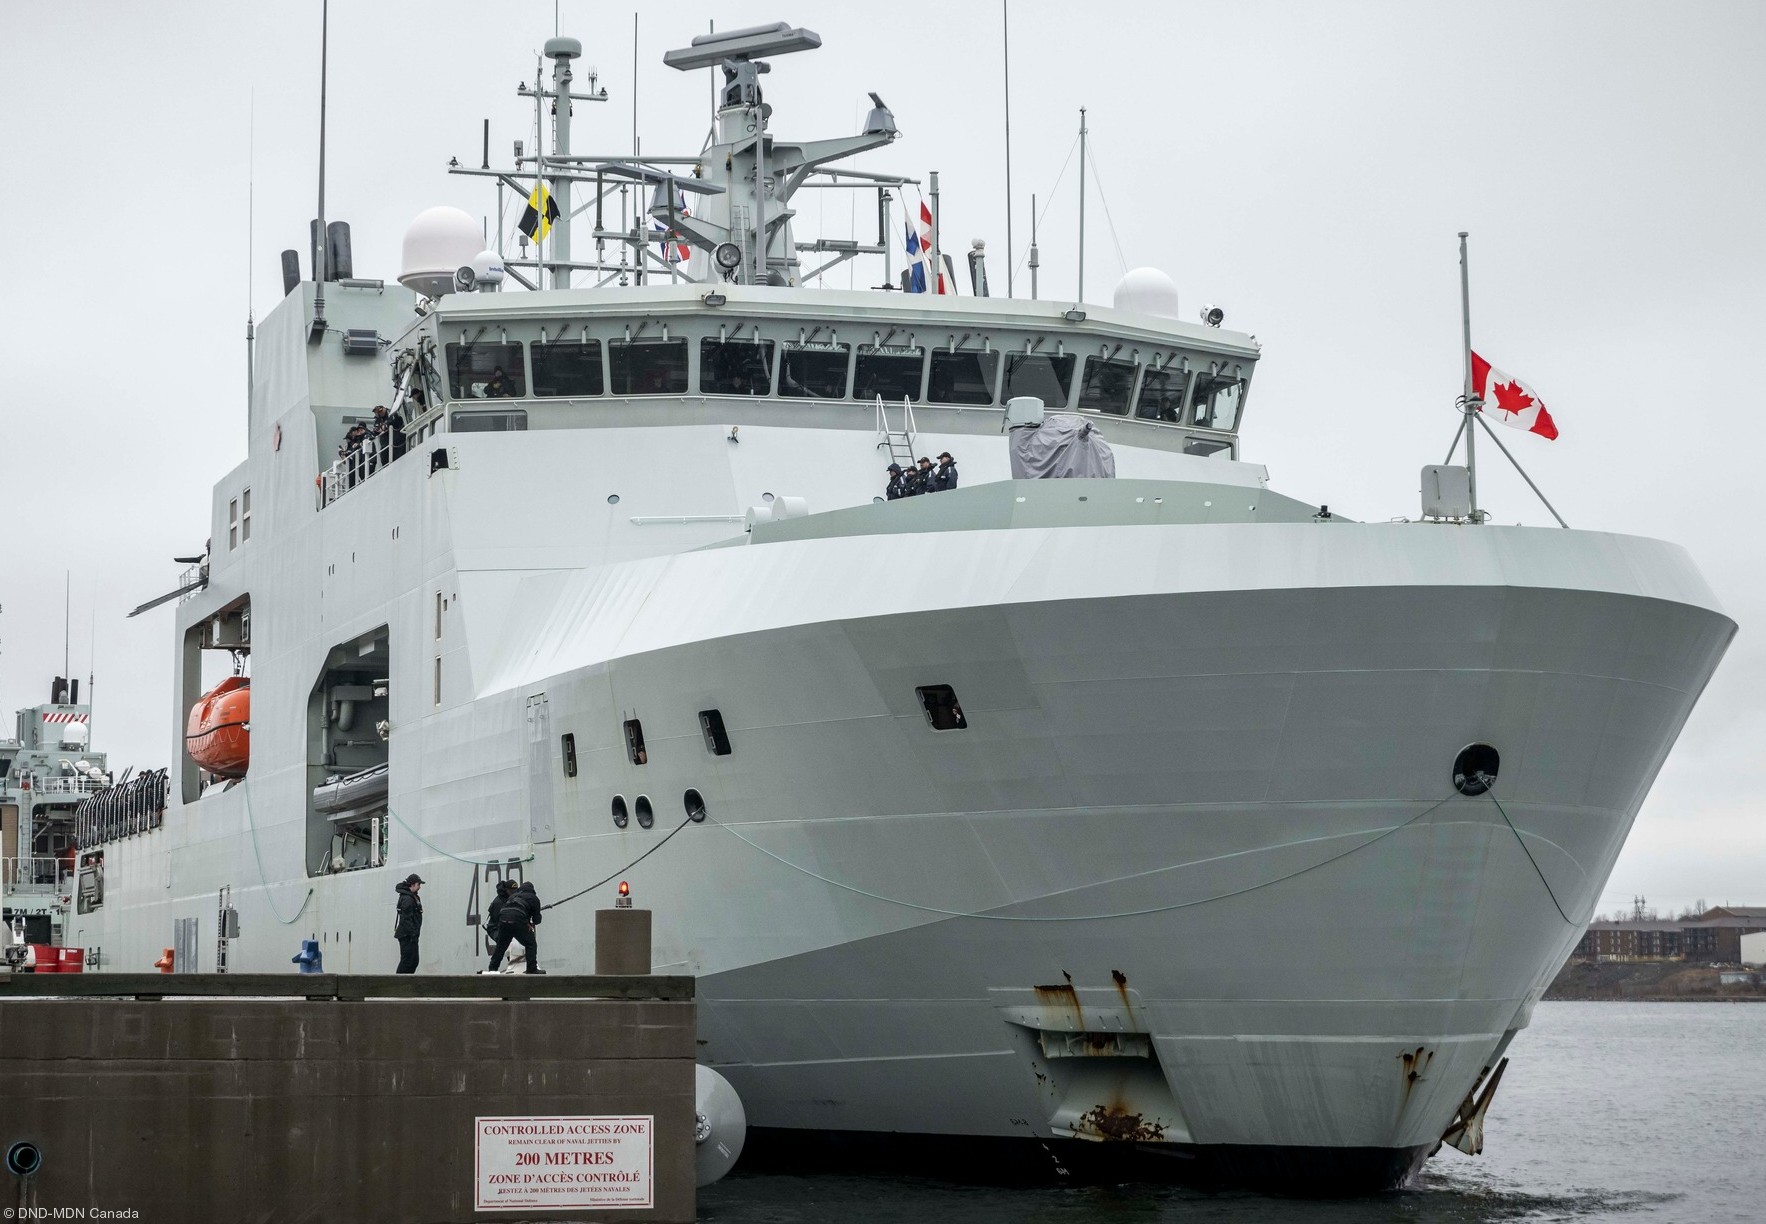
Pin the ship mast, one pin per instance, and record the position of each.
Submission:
(1469, 402)
(561, 51)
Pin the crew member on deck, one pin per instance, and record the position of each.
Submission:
(921, 477)
(897, 483)
(944, 476)
(497, 386)
(389, 434)
(351, 453)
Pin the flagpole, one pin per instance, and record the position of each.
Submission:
(1006, 49)
(1470, 404)
(937, 284)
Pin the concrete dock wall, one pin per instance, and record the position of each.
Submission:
(351, 1108)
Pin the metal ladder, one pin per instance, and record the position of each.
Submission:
(900, 442)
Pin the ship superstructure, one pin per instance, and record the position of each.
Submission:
(47, 769)
(1079, 818)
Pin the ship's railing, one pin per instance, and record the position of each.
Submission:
(357, 467)
(67, 786)
(192, 578)
(39, 873)
(135, 806)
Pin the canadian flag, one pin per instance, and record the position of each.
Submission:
(1510, 400)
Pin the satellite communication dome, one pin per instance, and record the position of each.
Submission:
(1147, 291)
(74, 733)
(438, 243)
(487, 266)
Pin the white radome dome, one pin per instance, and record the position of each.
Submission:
(74, 733)
(438, 243)
(488, 269)
(1147, 291)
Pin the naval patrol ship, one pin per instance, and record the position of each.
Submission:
(1151, 823)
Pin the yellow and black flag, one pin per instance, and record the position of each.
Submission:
(540, 214)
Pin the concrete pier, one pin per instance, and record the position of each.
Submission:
(395, 1100)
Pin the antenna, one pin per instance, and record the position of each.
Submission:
(322, 265)
(1080, 296)
(67, 592)
(91, 670)
(1006, 42)
(251, 172)
(1034, 260)
(634, 84)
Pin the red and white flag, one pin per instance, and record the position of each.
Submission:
(1510, 400)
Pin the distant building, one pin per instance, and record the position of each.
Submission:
(1632, 939)
(1715, 936)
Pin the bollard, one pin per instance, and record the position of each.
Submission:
(164, 963)
(622, 937)
(310, 960)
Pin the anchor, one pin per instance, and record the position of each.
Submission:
(1466, 1131)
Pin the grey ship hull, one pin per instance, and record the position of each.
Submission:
(1195, 876)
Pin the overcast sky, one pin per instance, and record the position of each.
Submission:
(1306, 167)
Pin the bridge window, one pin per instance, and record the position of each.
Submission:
(962, 378)
(1044, 375)
(648, 367)
(892, 373)
(735, 367)
(1106, 386)
(489, 422)
(486, 371)
(815, 373)
(1161, 397)
(567, 368)
(1217, 400)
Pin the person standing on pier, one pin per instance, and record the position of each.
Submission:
(410, 922)
(516, 921)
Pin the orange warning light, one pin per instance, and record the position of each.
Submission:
(625, 890)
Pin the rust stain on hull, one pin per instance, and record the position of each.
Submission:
(1412, 1064)
(1114, 1124)
(1062, 997)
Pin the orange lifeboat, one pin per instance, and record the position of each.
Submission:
(218, 736)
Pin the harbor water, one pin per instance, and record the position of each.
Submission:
(1609, 1111)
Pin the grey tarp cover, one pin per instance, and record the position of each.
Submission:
(1063, 446)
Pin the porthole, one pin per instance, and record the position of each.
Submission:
(613, 499)
(23, 1159)
(1474, 769)
(646, 817)
(620, 819)
(766, 497)
(879, 500)
(694, 802)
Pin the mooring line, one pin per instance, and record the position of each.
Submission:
(1491, 791)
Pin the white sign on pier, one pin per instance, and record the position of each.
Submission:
(527, 1163)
